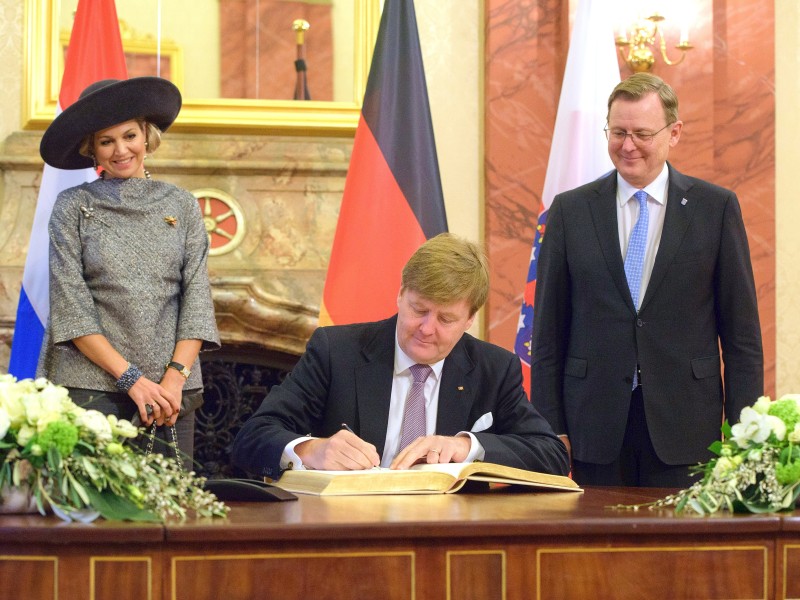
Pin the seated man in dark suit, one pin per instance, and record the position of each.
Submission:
(413, 388)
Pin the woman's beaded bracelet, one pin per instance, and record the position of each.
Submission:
(128, 378)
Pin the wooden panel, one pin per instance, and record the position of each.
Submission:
(321, 576)
(36, 574)
(476, 575)
(120, 578)
(717, 572)
(791, 572)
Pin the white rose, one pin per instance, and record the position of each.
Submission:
(757, 428)
(777, 425)
(5, 422)
(762, 405)
(54, 398)
(25, 435)
(12, 402)
(45, 418)
(723, 467)
(97, 423)
(123, 428)
(794, 435)
(753, 427)
(33, 408)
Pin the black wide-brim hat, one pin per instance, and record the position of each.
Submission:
(104, 104)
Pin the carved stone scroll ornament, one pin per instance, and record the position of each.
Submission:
(249, 316)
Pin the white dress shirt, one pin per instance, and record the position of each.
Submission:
(628, 214)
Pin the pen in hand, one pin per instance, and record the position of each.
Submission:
(347, 427)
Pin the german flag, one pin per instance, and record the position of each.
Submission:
(393, 197)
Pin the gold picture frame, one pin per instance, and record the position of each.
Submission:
(43, 67)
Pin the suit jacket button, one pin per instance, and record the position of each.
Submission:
(639, 323)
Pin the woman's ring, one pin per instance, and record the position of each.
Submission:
(148, 409)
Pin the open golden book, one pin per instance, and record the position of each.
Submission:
(419, 479)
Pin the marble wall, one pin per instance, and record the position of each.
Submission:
(787, 209)
(727, 93)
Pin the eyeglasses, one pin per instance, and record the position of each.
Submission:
(640, 138)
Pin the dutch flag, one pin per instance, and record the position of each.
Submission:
(94, 53)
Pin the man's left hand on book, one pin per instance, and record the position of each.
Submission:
(433, 449)
(343, 451)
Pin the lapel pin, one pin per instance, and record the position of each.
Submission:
(172, 221)
(460, 388)
(683, 202)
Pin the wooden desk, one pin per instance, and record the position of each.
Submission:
(483, 546)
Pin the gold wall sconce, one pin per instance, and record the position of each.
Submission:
(641, 43)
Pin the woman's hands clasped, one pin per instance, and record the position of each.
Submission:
(156, 402)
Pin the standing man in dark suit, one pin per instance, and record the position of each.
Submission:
(643, 276)
(413, 388)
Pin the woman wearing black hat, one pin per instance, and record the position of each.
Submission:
(130, 299)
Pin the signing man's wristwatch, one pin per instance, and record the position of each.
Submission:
(179, 368)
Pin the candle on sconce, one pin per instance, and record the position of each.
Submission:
(622, 33)
(684, 19)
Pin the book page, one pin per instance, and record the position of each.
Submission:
(421, 478)
(370, 481)
(491, 472)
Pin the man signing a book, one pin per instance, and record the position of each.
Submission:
(413, 388)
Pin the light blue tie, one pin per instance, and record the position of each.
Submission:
(634, 258)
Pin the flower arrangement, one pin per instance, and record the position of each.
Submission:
(76, 462)
(756, 468)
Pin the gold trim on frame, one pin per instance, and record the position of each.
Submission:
(42, 64)
(502, 553)
(651, 549)
(36, 558)
(411, 555)
(93, 560)
(786, 549)
(134, 43)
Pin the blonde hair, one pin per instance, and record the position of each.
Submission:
(448, 268)
(639, 85)
(152, 137)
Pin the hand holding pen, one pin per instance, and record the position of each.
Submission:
(343, 451)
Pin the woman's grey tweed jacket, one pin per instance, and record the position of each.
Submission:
(128, 259)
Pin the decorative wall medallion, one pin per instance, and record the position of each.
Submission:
(223, 219)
